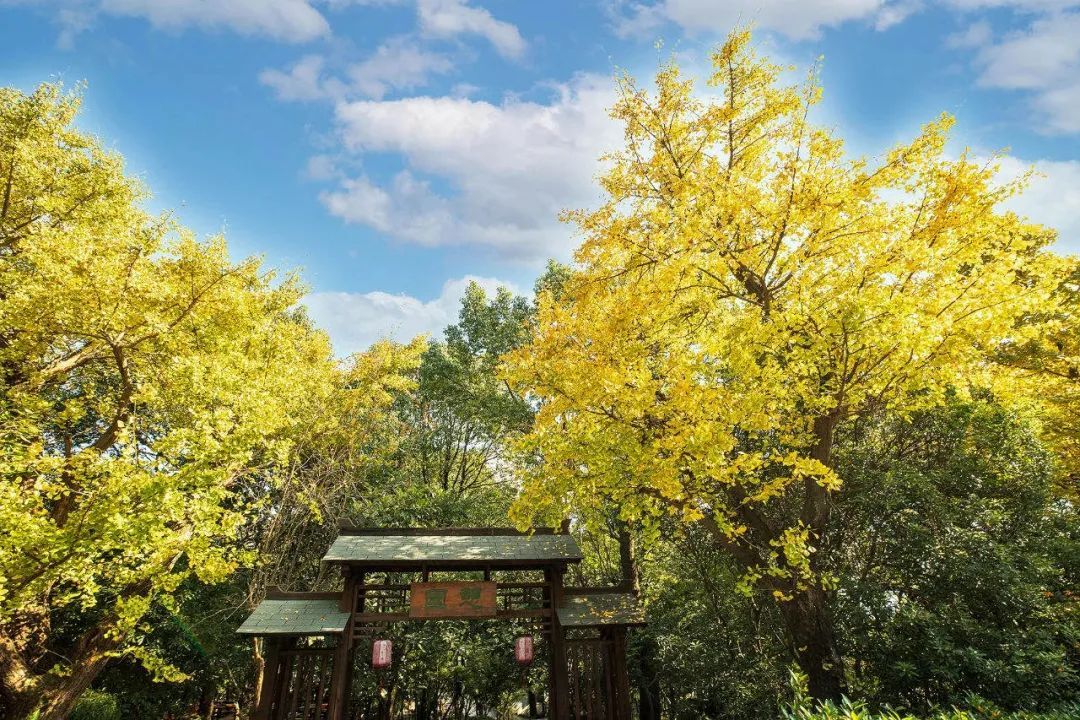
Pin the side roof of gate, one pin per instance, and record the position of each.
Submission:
(451, 546)
(594, 609)
(296, 614)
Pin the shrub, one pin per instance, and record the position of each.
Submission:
(96, 705)
(803, 707)
(848, 710)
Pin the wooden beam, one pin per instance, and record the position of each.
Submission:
(340, 678)
(274, 593)
(559, 677)
(620, 673)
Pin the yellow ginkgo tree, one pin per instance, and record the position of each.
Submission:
(745, 290)
(149, 385)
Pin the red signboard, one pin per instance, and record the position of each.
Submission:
(452, 600)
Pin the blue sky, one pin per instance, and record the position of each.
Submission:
(394, 149)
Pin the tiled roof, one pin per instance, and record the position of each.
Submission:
(449, 548)
(606, 608)
(295, 617)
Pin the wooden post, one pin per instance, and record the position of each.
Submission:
(269, 679)
(341, 679)
(559, 701)
(618, 669)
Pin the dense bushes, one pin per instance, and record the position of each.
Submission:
(96, 705)
(972, 707)
(858, 711)
(958, 563)
(953, 583)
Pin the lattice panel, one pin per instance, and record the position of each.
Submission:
(303, 684)
(592, 691)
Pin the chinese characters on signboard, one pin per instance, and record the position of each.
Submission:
(452, 600)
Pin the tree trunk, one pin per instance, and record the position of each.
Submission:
(648, 680)
(425, 708)
(630, 577)
(260, 665)
(52, 697)
(18, 686)
(89, 659)
(810, 631)
(206, 704)
(808, 617)
(533, 712)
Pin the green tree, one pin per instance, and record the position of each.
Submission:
(423, 448)
(957, 561)
(336, 470)
(145, 377)
(462, 411)
(198, 637)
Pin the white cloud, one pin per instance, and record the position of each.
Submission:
(975, 35)
(797, 19)
(321, 168)
(510, 167)
(72, 21)
(896, 13)
(396, 64)
(1047, 51)
(289, 20)
(303, 81)
(449, 18)
(1053, 199)
(1043, 58)
(1021, 6)
(338, 4)
(408, 210)
(355, 320)
(1061, 105)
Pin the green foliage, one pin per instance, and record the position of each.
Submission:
(973, 707)
(958, 562)
(848, 710)
(96, 705)
(198, 637)
(448, 471)
(144, 372)
(953, 580)
(462, 412)
(432, 459)
(466, 665)
(718, 652)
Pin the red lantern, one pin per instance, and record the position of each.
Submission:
(381, 653)
(523, 650)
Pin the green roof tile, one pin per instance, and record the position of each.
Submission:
(295, 617)
(450, 548)
(608, 608)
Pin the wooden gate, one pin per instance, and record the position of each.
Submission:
(427, 575)
(303, 684)
(592, 686)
